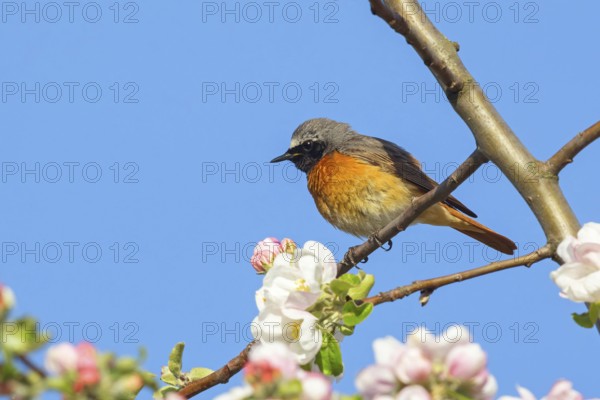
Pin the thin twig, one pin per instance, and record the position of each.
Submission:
(225, 373)
(567, 153)
(25, 360)
(429, 285)
(357, 253)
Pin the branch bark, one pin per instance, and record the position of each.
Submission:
(567, 153)
(27, 362)
(426, 287)
(420, 204)
(495, 139)
(221, 375)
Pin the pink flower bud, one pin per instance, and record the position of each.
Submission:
(413, 366)
(86, 356)
(465, 361)
(88, 373)
(563, 390)
(413, 392)
(484, 386)
(276, 355)
(266, 250)
(376, 380)
(61, 358)
(315, 386)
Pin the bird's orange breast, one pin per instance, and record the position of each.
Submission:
(355, 196)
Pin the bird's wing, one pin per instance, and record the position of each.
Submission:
(398, 161)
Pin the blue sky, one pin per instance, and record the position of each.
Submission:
(135, 177)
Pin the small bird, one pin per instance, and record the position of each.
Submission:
(360, 183)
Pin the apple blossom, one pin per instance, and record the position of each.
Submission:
(413, 392)
(437, 347)
(291, 286)
(561, 390)
(579, 277)
(465, 361)
(315, 386)
(387, 350)
(413, 366)
(277, 355)
(297, 330)
(376, 380)
(272, 372)
(61, 358)
(88, 373)
(427, 364)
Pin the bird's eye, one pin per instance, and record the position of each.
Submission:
(308, 145)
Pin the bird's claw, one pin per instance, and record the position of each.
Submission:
(353, 260)
(375, 239)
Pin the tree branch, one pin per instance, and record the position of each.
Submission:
(221, 375)
(225, 373)
(25, 360)
(420, 204)
(426, 287)
(494, 137)
(567, 153)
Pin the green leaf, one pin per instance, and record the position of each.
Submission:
(583, 320)
(353, 280)
(167, 377)
(126, 364)
(362, 290)
(346, 330)
(22, 336)
(289, 390)
(340, 286)
(353, 314)
(199, 373)
(175, 359)
(162, 392)
(329, 358)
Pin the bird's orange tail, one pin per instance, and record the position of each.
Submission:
(482, 233)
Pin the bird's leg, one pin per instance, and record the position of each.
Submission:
(375, 239)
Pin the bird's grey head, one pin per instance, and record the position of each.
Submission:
(313, 139)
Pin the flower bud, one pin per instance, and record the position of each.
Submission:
(266, 250)
(316, 386)
(413, 392)
(61, 358)
(465, 361)
(413, 366)
(376, 380)
(7, 299)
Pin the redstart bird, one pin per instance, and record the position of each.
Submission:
(360, 183)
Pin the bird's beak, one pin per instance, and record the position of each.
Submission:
(285, 156)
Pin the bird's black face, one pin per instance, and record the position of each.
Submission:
(305, 155)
